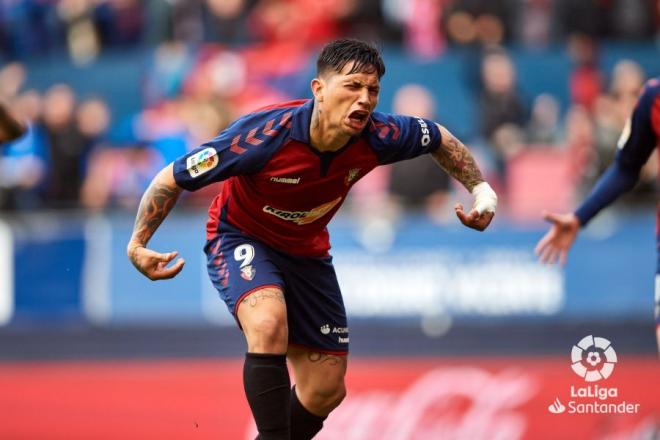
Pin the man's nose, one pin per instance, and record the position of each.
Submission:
(364, 97)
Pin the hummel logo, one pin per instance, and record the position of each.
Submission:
(291, 180)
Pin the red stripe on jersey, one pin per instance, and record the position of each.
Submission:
(286, 119)
(235, 147)
(214, 213)
(655, 116)
(267, 128)
(250, 139)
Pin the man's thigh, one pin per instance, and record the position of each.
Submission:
(315, 308)
(240, 267)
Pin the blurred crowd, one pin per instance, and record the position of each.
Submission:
(213, 60)
(85, 28)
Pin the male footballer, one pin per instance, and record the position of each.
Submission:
(287, 169)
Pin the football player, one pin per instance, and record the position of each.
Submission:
(286, 170)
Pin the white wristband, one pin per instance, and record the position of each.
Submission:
(485, 199)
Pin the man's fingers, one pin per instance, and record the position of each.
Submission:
(541, 245)
(460, 213)
(172, 271)
(552, 217)
(485, 219)
(161, 272)
(546, 255)
(473, 219)
(168, 256)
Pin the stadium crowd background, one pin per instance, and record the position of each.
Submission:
(203, 63)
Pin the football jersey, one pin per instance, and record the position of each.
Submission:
(640, 137)
(278, 188)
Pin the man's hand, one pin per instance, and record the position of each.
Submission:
(559, 239)
(473, 219)
(483, 210)
(153, 265)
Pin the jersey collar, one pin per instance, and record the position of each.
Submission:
(300, 122)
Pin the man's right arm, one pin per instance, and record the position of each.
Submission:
(156, 203)
(635, 147)
(242, 148)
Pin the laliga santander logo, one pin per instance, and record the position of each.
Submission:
(593, 358)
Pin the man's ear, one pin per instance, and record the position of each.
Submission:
(318, 88)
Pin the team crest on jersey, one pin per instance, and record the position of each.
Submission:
(248, 272)
(352, 175)
(202, 162)
(303, 217)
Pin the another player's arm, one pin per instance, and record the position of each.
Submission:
(636, 145)
(156, 203)
(457, 161)
(11, 127)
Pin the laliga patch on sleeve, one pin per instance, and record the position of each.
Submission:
(202, 161)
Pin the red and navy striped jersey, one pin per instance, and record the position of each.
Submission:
(278, 188)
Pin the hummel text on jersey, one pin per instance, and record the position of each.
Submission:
(291, 180)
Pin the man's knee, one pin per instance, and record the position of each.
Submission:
(262, 315)
(326, 396)
(338, 396)
(267, 334)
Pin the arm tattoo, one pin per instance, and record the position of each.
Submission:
(156, 203)
(456, 159)
(254, 298)
(323, 358)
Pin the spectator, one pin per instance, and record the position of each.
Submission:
(543, 127)
(70, 136)
(586, 80)
(503, 112)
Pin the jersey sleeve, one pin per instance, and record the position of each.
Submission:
(636, 144)
(242, 148)
(395, 137)
(639, 138)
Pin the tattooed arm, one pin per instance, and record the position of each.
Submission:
(157, 201)
(457, 161)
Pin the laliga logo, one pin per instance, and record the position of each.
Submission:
(593, 358)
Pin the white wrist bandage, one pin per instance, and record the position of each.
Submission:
(485, 199)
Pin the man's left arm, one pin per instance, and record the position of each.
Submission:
(457, 161)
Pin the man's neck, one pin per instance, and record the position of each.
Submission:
(321, 136)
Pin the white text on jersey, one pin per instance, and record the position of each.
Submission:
(291, 180)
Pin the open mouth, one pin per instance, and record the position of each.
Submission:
(358, 117)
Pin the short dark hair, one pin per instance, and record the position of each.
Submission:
(336, 54)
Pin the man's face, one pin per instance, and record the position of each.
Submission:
(347, 100)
